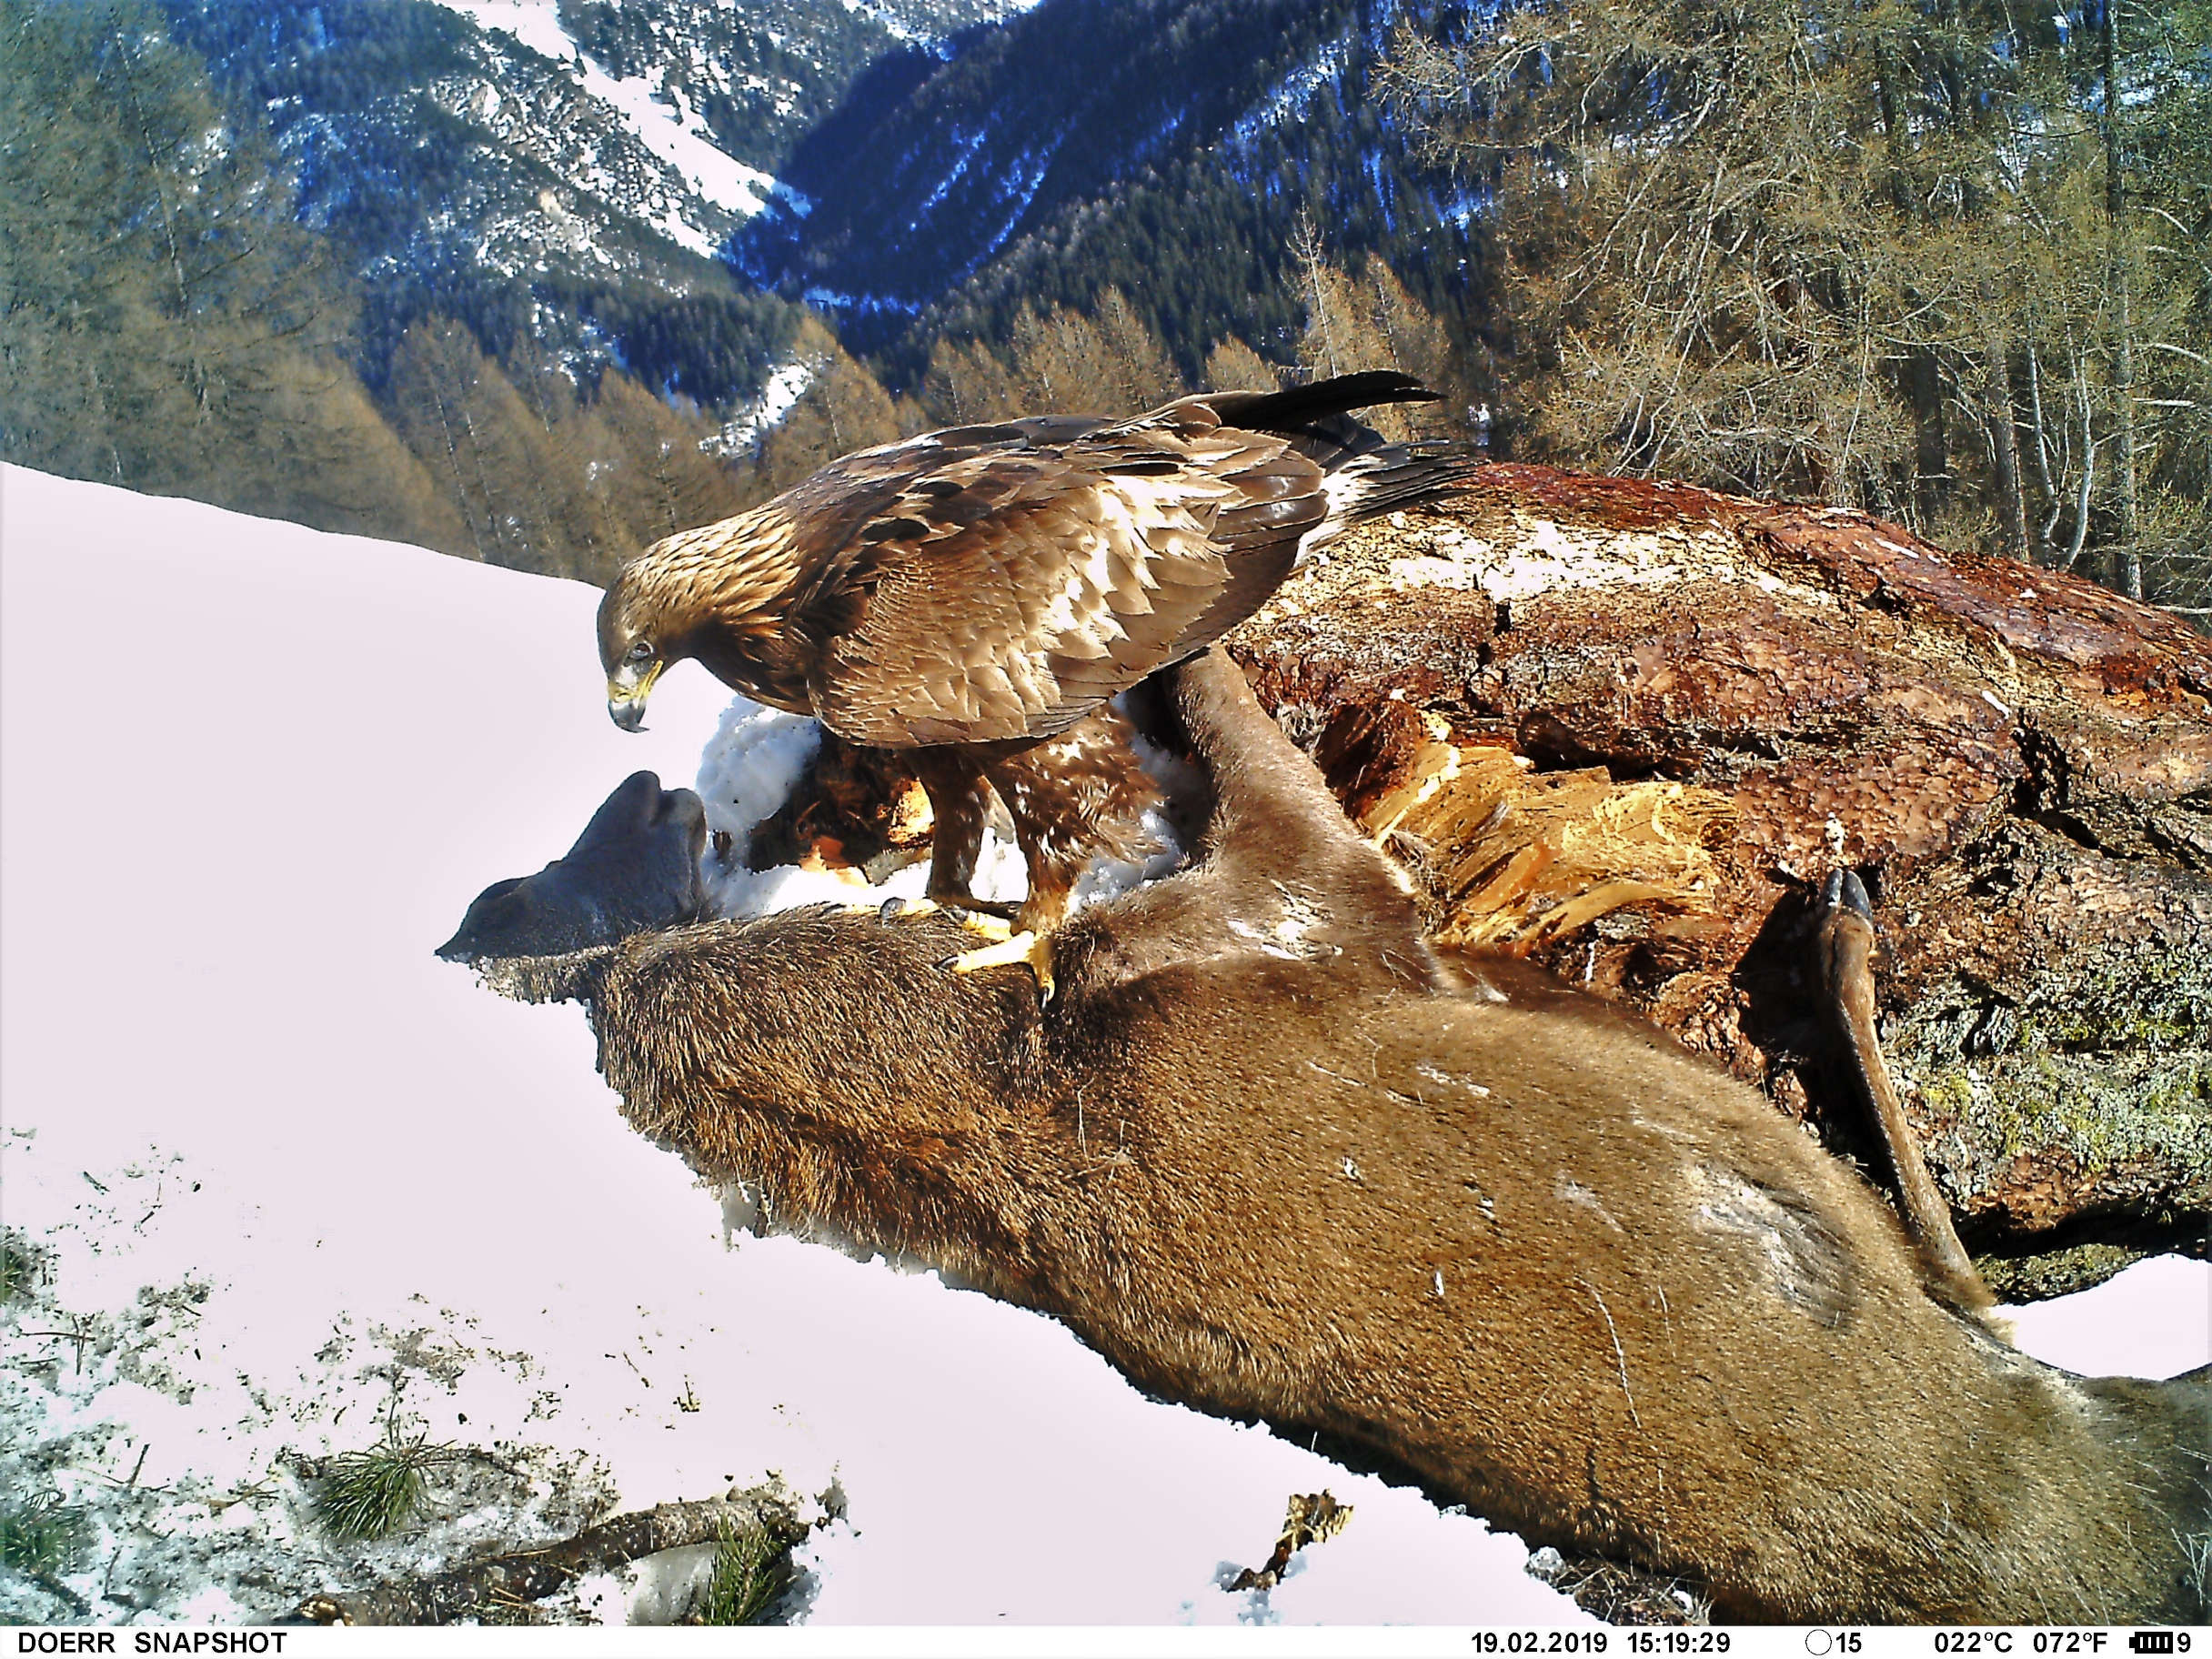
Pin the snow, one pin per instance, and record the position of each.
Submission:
(678, 136)
(534, 23)
(281, 1157)
(233, 832)
(1025, 176)
(778, 398)
(968, 144)
(684, 145)
(900, 28)
(891, 23)
(1293, 94)
(832, 299)
(2160, 1309)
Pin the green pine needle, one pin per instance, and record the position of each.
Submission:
(750, 1574)
(40, 1538)
(371, 1494)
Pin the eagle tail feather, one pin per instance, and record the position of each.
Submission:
(1388, 481)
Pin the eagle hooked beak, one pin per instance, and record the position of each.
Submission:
(626, 689)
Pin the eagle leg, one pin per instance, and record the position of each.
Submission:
(1071, 797)
(959, 806)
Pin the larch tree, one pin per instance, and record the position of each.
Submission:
(1881, 253)
(164, 323)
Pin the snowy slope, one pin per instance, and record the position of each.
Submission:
(671, 131)
(252, 775)
(235, 827)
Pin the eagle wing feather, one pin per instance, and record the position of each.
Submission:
(1081, 560)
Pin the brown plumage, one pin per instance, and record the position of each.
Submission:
(978, 594)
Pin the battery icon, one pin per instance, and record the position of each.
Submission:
(2150, 1642)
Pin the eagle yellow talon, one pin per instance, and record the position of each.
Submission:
(1034, 949)
(890, 910)
(996, 928)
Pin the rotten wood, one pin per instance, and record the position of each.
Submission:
(1626, 728)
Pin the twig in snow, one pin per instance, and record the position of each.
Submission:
(1313, 1518)
(80, 1336)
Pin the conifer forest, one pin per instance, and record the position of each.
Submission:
(539, 298)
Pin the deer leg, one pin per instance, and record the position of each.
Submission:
(1259, 777)
(1845, 948)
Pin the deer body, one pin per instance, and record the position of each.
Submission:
(1272, 1158)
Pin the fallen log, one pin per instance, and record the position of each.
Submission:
(1625, 729)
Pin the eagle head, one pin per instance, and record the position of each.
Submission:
(715, 594)
(633, 646)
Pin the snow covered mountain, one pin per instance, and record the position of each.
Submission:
(525, 133)
(1170, 148)
(427, 137)
(565, 176)
(913, 188)
(591, 174)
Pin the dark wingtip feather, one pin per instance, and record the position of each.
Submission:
(1301, 405)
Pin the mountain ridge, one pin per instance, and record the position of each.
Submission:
(580, 176)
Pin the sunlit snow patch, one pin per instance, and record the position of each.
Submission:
(778, 398)
(684, 145)
(536, 24)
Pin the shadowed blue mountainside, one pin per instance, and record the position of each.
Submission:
(943, 160)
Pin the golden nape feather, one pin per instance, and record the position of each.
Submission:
(974, 593)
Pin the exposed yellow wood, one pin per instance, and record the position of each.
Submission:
(1522, 857)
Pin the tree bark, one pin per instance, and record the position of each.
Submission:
(1626, 729)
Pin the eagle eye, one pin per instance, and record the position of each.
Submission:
(641, 652)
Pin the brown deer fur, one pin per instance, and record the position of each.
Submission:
(1274, 1158)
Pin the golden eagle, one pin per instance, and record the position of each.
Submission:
(976, 595)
